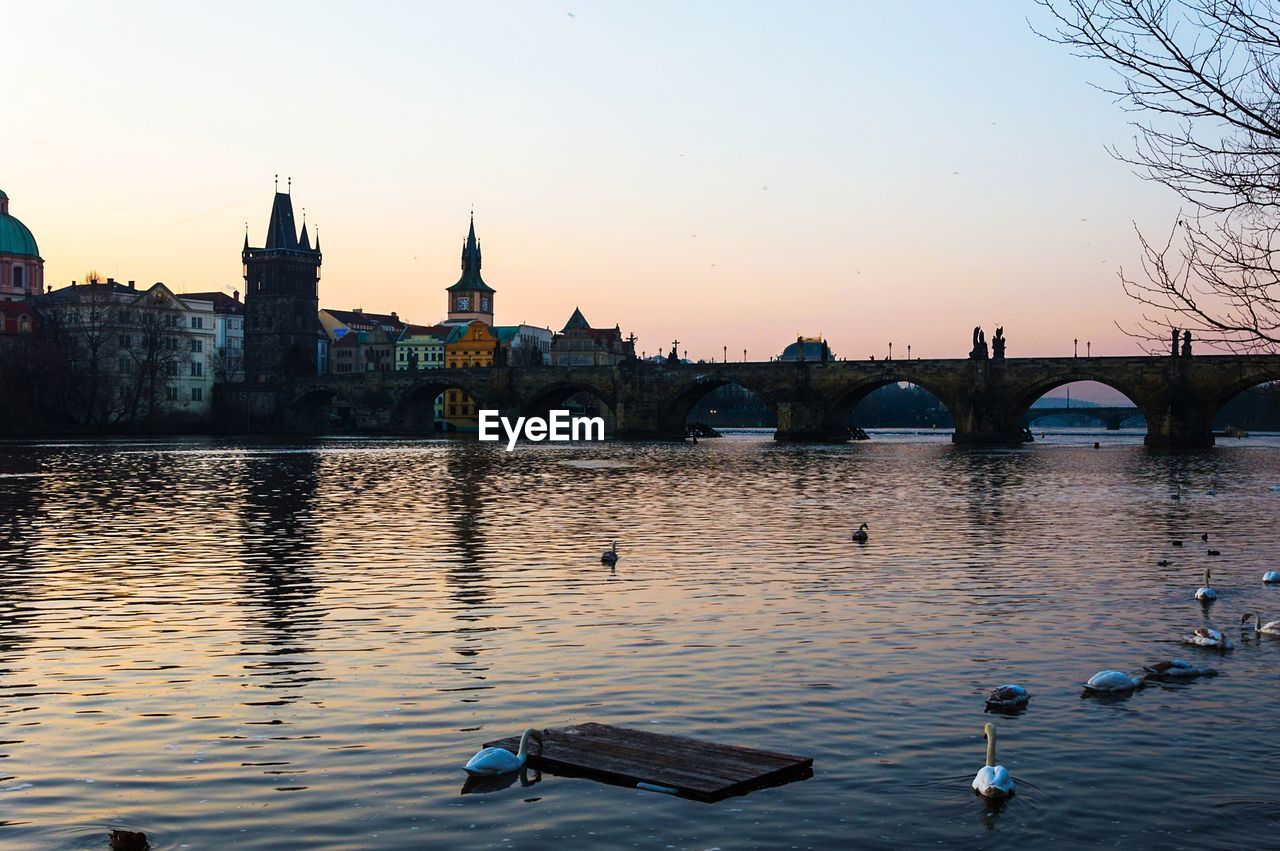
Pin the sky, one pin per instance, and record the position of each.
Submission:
(728, 174)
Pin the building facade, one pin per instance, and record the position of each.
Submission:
(578, 344)
(228, 334)
(468, 345)
(22, 275)
(421, 347)
(136, 356)
(281, 334)
(21, 267)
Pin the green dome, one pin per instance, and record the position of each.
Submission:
(14, 236)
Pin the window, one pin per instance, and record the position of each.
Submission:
(197, 394)
(24, 324)
(126, 342)
(197, 345)
(171, 394)
(171, 368)
(197, 369)
(126, 365)
(197, 322)
(17, 277)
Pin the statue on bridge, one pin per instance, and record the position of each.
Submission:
(979, 351)
(1186, 344)
(673, 359)
(997, 343)
(1174, 350)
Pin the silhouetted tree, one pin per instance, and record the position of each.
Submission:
(1203, 75)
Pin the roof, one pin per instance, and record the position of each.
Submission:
(15, 238)
(281, 232)
(471, 280)
(506, 333)
(222, 303)
(812, 348)
(438, 331)
(359, 317)
(576, 322)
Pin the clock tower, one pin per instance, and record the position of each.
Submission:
(471, 298)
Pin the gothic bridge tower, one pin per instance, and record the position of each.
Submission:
(281, 301)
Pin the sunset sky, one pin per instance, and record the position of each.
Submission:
(730, 174)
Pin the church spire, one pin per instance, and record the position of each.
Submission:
(282, 232)
(471, 279)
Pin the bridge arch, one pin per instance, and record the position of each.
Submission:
(560, 393)
(415, 408)
(844, 400)
(1018, 410)
(1230, 390)
(323, 408)
(685, 397)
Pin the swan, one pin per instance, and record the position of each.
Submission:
(992, 781)
(1272, 628)
(1114, 682)
(1204, 536)
(1008, 697)
(610, 556)
(1271, 577)
(1206, 594)
(861, 535)
(1177, 493)
(490, 762)
(1177, 669)
(1206, 637)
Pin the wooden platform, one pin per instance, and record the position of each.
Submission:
(703, 771)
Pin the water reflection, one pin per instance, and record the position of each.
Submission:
(277, 543)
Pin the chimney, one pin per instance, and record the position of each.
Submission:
(111, 281)
(131, 285)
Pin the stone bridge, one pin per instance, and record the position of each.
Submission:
(1112, 417)
(989, 399)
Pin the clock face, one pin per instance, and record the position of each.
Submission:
(464, 302)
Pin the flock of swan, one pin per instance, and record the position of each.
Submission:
(994, 781)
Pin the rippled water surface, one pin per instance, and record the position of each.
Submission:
(282, 646)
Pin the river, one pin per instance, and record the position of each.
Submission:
(270, 645)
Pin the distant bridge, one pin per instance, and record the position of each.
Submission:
(1113, 417)
(989, 400)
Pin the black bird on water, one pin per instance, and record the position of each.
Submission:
(1176, 543)
(128, 840)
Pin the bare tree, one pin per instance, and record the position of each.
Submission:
(1203, 76)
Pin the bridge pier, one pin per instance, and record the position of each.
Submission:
(1185, 429)
(806, 421)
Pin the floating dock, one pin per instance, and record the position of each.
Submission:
(703, 771)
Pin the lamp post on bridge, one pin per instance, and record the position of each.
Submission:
(1075, 348)
(726, 354)
(890, 350)
(1088, 348)
(908, 351)
(744, 355)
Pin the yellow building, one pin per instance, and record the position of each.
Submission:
(467, 345)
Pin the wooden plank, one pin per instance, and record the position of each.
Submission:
(704, 771)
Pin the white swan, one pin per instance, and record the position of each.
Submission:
(1177, 669)
(992, 781)
(1272, 628)
(1206, 637)
(1114, 682)
(490, 762)
(1206, 594)
(610, 556)
(1271, 577)
(861, 535)
(1008, 697)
